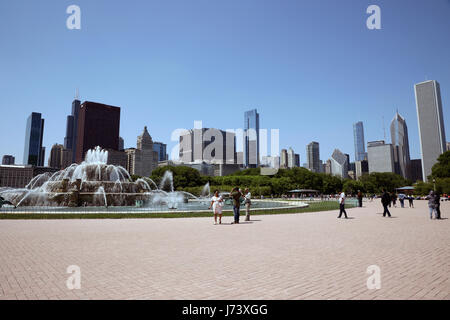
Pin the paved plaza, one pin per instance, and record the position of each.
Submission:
(289, 256)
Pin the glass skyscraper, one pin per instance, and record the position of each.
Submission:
(400, 143)
(251, 136)
(161, 148)
(358, 136)
(34, 153)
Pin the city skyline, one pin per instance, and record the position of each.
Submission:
(175, 75)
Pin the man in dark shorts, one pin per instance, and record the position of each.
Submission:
(236, 196)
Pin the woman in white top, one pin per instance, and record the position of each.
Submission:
(248, 202)
(217, 204)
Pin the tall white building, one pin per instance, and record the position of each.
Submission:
(290, 158)
(381, 156)
(431, 124)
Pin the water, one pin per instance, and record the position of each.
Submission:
(96, 185)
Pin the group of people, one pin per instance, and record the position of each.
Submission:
(217, 203)
(387, 200)
(434, 204)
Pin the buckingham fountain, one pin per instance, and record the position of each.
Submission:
(94, 184)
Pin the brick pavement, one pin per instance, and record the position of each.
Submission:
(295, 256)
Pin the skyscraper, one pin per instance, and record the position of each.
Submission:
(34, 152)
(339, 164)
(161, 148)
(290, 158)
(381, 156)
(431, 124)
(8, 160)
(142, 160)
(313, 156)
(70, 140)
(60, 157)
(283, 159)
(209, 145)
(400, 144)
(251, 136)
(98, 125)
(358, 136)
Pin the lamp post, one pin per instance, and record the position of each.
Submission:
(434, 185)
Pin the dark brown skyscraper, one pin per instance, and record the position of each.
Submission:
(98, 125)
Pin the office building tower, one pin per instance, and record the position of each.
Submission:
(448, 146)
(70, 140)
(358, 136)
(161, 148)
(283, 159)
(400, 145)
(98, 125)
(209, 145)
(290, 158)
(381, 157)
(60, 157)
(327, 167)
(361, 168)
(34, 152)
(339, 164)
(416, 170)
(143, 159)
(8, 160)
(313, 156)
(251, 139)
(297, 161)
(121, 144)
(431, 124)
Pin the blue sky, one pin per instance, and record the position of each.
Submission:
(311, 68)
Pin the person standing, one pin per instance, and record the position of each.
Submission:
(248, 203)
(236, 195)
(437, 205)
(411, 201)
(431, 204)
(385, 201)
(401, 198)
(216, 204)
(342, 205)
(360, 198)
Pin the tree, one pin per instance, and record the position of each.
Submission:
(441, 168)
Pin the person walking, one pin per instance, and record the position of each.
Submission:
(431, 204)
(236, 195)
(437, 204)
(385, 201)
(360, 198)
(342, 205)
(401, 198)
(248, 203)
(217, 204)
(411, 201)
(394, 199)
